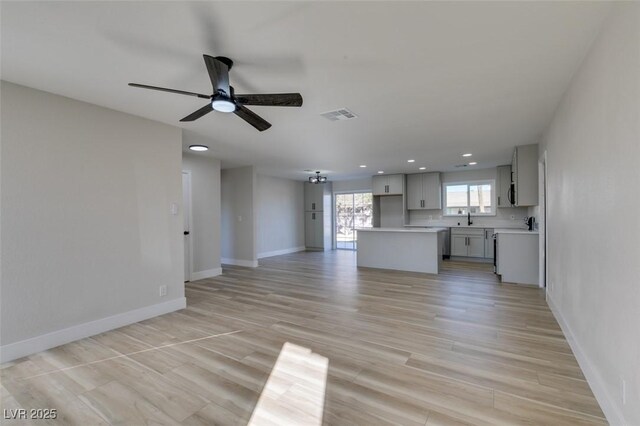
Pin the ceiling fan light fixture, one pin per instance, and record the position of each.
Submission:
(223, 105)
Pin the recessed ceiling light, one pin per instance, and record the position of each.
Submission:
(467, 155)
(411, 161)
(380, 172)
(422, 168)
(198, 148)
(473, 163)
(363, 165)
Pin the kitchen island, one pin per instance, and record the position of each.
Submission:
(403, 249)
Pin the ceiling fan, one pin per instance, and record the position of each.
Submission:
(224, 99)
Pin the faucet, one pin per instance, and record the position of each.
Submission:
(469, 222)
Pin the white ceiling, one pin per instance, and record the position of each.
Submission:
(429, 81)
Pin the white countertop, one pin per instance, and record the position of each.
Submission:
(514, 231)
(414, 230)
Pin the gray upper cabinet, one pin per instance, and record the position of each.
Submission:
(424, 191)
(414, 192)
(314, 197)
(525, 175)
(504, 186)
(388, 185)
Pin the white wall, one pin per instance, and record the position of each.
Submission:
(86, 226)
(238, 203)
(280, 216)
(205, 213)
(593, 151)
(354, 185)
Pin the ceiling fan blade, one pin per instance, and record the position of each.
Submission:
(164, 89)
(275, 99)
(199, 113)
(252, 118)
(218, 73)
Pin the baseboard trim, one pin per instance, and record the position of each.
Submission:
(240, 262)
(60, 337)
(209, 273)
(280, 252)
(611, 411)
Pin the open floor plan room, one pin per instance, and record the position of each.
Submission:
(399, 348)
(305, 213)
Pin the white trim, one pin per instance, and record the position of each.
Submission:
(609, 408)
(280, 252)
(43, 342)
(209, 273)
(240, 262)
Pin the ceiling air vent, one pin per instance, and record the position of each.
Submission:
(339, 114)
(461, 165)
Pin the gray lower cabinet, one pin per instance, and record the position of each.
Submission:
(469, 242)
(314, 229)
(317, 216)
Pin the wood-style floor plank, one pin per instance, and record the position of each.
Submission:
(269, 344)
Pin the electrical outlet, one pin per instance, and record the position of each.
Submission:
(163, 290)
(624, 391)
(239, 218)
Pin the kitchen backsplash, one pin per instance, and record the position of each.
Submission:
(501, 220)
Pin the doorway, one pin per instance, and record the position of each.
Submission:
(186, 217)
(353, 210)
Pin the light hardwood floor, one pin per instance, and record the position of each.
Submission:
(354, 346)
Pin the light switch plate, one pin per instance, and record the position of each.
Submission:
(174, 208)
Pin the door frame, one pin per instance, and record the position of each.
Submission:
(543, 268)
(188, 249)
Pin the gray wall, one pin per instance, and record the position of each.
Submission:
(238, 219)
(280, 215)
(86, 226)
(205, 213)
(593, 151)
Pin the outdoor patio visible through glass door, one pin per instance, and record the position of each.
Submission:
(353, 210)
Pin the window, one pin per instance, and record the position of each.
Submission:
(464, 197)
(353, 211)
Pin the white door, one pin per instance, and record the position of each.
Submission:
(186, 216)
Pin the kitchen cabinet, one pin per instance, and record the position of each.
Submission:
(424, 191)
(517, 256)
(314, 230)
(388, 185)
(504, 186)
(314, 197)
(468, 242)
(524, 167)
(318, 230)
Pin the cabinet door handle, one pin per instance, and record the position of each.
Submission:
(498, 200)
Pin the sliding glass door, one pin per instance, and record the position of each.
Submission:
(353, 210)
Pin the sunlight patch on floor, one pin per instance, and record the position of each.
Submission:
(294, 392)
